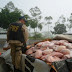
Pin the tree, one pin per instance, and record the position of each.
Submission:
(10, 6)
(36, 16)
(59, 29)
(8, 15)
(40, 26)
(27, 17)
(38, 35)
(62, 19)
(69, 25)
(48, 21)
(33, 24)
(35, 11)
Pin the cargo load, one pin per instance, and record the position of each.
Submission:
(49, 55)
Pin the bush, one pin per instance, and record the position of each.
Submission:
(37, 35)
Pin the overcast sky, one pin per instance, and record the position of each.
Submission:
(54, 8)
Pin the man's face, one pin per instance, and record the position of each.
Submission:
(23, 21)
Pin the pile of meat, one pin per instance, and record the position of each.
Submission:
(51, 51)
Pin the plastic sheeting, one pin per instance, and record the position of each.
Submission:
(61, 66)
(29, 64)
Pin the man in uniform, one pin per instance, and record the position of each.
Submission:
(17, 36)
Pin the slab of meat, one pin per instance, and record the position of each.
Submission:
(40, 44)
(29, 51)
(45, 45)
(43, 57)
(66, 56)
(65, 51)
(70, 54)
(47, 51)
(59, 42)
(51, 45)
(43, 48)
(58, 54)
(52, 58)
(68, 45)
(38, 54)
(33, 54)
(59, 48)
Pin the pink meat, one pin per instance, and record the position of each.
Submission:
(38, 47)
(58, 54)
(59, 48)
(47, 51)
(51, 45)
(54, 41)
(70, 54)
(68, 45)
(51, 51)
(66, 56)
(59, 42)
(65, 51)
(45, 45)
(63, 41)
(52, 59)
(29, 51)
(33, 54)
(43, 57)
(35, 49)
(38, 54)
(43, 48)
(54, 47)
(40, 44)
(47, 42)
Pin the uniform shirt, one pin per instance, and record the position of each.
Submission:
(25, 33)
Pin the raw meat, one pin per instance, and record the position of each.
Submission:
(65, 51)
(38, 54)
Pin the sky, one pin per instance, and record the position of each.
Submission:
(54, 8)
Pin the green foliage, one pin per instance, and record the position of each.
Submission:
(27, 17)
(48, 21)
(40, 27)
(59, 29)
(10, 6)
(36, 17)
(35, 11)
(8, 15)
(69, 25)
(48, 18)
(37, 35)
(33, 23)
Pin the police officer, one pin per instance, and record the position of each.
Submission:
(17, 36)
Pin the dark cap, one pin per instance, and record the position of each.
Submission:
(22, 17)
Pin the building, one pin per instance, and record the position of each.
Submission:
(3, 37)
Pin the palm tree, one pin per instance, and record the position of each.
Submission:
(48, 19)
(40, 26)
(69, 25)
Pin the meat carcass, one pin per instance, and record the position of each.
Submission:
(52, 58)
(66, 56)
(59, 48)
(47, 51)
(40, 44)
(58, 54)
(65, 51)
(38, 54)
(29, 51)
(68, 45)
